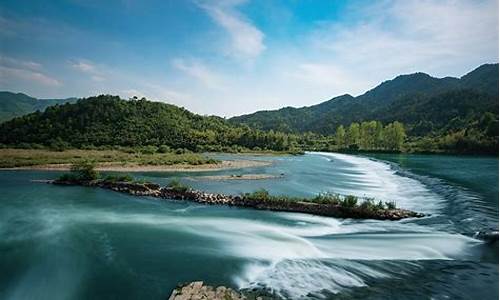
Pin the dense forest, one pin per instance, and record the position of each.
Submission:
(108, 120)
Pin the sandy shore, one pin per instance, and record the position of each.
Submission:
(238, 177)
(120, 167)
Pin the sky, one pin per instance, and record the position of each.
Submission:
(232, 57)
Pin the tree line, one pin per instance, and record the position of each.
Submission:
(372, 135)
(107, 121)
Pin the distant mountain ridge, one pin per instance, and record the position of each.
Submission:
(18, 104)
(411, 98)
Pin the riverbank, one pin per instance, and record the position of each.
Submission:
(323, 205)
(130, 167)
(119, 161)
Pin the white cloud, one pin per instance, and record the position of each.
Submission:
(89, 68)
(6, 75)
(25, 70)
(200, 72)
(17, 63)
(440, 37)
(246, 40)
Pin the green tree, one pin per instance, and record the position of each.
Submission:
(353, 135)
(340, 137)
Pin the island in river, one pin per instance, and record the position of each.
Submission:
(329, 205)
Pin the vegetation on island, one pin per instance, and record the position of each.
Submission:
(344, 201)
(85, 171)
(327, 204)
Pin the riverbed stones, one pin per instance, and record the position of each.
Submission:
(197, 291)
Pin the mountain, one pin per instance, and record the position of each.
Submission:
(110, 121)
(413, 99)
(18, 104)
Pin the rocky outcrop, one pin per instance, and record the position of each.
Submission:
(197, 291)
(322, 209)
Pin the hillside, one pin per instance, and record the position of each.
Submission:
(427, 105)
(18, 104)
(110, 121)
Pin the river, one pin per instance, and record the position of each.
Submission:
(85, 243)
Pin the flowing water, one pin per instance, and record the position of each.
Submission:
(85, 243)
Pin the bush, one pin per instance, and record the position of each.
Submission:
(260, 194)
(349, 201)
(164, 149)
(118, 178)
(149, 149)
(178, 186)
(327, 198)
(391, 205)
(84, 170)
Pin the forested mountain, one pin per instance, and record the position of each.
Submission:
(110, 121)
(426, 105)
(18, 104)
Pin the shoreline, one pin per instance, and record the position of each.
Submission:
(120, 167)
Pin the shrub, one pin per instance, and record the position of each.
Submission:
(327, 198)
(149, 149)
(390, 205)
(368, 204)
(349, 201)
(164, 149)
(260, 194)
(118, 178)
(84, 170)
(178, 186)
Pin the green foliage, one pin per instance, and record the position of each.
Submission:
(150, 127)
(447, 114)
(261, 195)
(84, 170)
(390, 205)
(178, 186)
(349, 201)
(18, 104)
(118, 178)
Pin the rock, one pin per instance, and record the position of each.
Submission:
(196, 290)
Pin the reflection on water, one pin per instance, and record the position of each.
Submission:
(81, 243)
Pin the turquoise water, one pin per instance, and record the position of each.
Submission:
(83, 243)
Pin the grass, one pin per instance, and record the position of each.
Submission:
(10, 158)
(347, 201)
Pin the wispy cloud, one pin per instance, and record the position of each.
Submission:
(405, 36)
(89, 68)
(25, 70)
(246, 40)
(200, 72)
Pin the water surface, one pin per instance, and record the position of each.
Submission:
(84, 243)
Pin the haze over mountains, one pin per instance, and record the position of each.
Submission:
(18, 104)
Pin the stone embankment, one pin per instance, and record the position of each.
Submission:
(322, 209)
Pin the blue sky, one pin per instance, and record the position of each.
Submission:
(231, 57)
